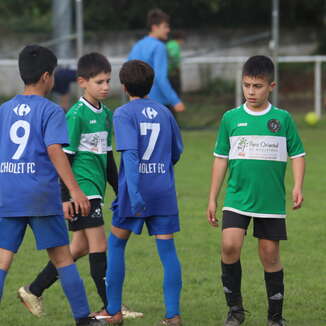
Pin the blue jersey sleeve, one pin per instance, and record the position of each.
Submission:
(160, 66)
(126, 133)
(177, 144)
(55, 128)
(131, 163)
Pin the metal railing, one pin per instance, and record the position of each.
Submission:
(238, 61)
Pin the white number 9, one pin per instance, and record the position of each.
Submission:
(19, 140)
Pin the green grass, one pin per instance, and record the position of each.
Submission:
(303, 255)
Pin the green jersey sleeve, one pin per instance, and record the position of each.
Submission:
(74, 131)
(222, 146)
(110, 130)
(294, 143)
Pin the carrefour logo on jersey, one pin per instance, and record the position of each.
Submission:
(149, 113)
(22, 109)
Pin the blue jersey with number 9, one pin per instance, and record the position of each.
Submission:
(28, 179)
(149, 128)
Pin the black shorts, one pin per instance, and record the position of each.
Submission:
(264, 228)
(94, 218)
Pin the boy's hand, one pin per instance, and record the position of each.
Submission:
(297, 198)
(179, 107)
(211, 214)
(138, 205)
(81, 202)
(68, 210)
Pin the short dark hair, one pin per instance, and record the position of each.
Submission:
(92, 64)
(34, 61)
(259, 66)
(156, 17)
(137, 76)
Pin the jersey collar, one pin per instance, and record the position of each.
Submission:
(257, 113)
(92, 107)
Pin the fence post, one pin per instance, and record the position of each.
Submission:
(318, 96)
(238, 84)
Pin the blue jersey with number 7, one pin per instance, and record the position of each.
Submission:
(149, 128)
(29, 184)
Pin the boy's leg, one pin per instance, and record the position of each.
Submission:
(172, 283)
(12, 233)
(232, 241)
(6, 258)
(49, 274)
(234, 229)
(97, 259)
(116, 268)
(270, 231)
(274, 277)
(70, 280)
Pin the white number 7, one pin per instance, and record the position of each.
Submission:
(155, 127)
(20, 140)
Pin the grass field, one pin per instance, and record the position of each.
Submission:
(202, 303)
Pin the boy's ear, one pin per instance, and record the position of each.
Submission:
(45, 76)
(272, 85)
(81, 82)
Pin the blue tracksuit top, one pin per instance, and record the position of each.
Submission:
(153, 51)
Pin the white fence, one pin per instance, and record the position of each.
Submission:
(10, 84)
(238, 61)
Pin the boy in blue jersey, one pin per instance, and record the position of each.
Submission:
(150, 144)
(32, 133)
(152, 50)
(93, 165)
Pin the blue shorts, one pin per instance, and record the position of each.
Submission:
(155, 224)
(49, 231)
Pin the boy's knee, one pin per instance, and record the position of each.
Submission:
(231, 249)
(269, 254)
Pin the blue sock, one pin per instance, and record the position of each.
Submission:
(115, 273)
(74, 290)
(3, 275)
(172, 283)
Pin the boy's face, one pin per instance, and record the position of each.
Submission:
(256, 91)
(96, 88)
(161, 31)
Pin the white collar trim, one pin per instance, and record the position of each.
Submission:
(92, 107)
(251, 112)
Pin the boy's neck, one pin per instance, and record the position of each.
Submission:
(92, 100)
(152, 34)
(132, 98)
(259, 108)
(34, 90)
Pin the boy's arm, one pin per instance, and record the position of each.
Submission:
(65, 195)
(177, 144)
(112, 172)
(61, 163)
(68, 208)
(298, 168)
(131, 163)
(218, 173)
(160, 66)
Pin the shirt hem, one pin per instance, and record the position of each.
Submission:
(94, 197)
(252, 214)
(221, 156)
(298, 155)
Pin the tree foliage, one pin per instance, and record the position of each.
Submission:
(129, 14)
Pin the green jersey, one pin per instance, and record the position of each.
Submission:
(257, 145)
(174, 54)
(90, 133)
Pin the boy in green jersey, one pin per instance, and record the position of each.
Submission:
(90, 154)
(254, 142)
